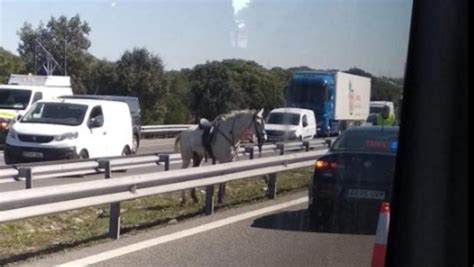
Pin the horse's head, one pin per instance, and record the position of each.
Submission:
(259, 127)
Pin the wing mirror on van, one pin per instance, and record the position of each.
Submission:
(96, 122)
(328, 142)
(305, 124)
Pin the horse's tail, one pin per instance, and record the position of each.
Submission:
(176, 142)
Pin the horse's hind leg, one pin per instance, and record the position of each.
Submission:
(196, 163)
(186, 161)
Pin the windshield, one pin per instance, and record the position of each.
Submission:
(377, 140)
(376, 109)
(14, 99)
(284, 118)
(307, 94)
(56, 113)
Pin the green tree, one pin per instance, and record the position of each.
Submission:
(213, 90)
(66, 40)
(141, 74)
(103, 79)
(177, 98)
(9, 63)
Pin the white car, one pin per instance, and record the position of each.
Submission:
(290, 124)
(70, 128)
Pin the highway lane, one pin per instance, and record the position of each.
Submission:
(262, 234)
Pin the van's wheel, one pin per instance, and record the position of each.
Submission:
(83, 154)
(126, 151)
(135, 144)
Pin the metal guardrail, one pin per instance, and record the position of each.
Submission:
(22, 204)
(170, 128)
(45, 170)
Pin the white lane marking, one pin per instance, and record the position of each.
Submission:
(107, 255)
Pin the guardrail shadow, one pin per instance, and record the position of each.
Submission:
(302, 221)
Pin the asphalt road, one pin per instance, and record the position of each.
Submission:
(263, 234)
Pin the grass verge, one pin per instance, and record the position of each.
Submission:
(47, 234)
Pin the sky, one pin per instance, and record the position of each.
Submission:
(323, 34)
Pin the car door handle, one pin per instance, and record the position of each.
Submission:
(104, 133)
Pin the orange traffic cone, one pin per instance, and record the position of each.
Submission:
(378, 256)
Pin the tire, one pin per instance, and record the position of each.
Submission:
(126, 151)
(135, 144)
(83, 154)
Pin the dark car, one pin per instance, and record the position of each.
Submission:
(353, 178)
(135, 112)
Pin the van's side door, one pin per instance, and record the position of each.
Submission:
(96, 145)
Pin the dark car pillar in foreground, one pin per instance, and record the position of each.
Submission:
(429, 205)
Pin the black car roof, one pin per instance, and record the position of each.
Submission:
(374, 129)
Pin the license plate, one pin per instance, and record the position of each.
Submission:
(32, 154)
(360, 193)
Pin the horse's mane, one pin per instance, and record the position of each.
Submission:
(232, 114)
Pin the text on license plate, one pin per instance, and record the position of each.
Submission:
(32, 154)
(360, 193)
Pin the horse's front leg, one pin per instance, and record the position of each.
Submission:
(220, 195)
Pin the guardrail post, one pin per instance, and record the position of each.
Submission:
(249, 150)
(271, 193)
(114, 218)
(281, 147)
(166, 159)
(28, 175)
(306, 146)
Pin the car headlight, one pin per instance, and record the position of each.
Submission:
(72, 135)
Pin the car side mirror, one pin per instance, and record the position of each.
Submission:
(328, 142)
(305, 124)
(18, 117)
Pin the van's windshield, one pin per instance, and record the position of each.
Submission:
(56, 113)
(376, 109)
(14, 99)
(284, 118)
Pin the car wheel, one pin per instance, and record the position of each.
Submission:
(8, 160)
(126, 151)
(83, 154)
(135, 144)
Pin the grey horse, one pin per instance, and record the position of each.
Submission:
(227, 129)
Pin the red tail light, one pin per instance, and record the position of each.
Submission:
(322, 164)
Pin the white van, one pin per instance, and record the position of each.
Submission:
(22, 91)
(290, 124)
(376, 107)
(70, 128)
